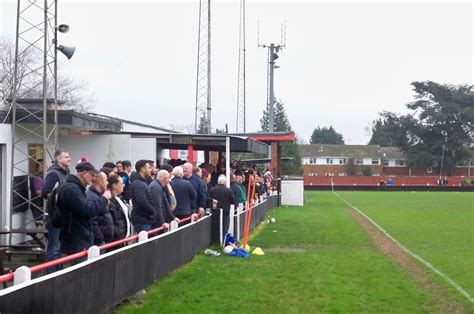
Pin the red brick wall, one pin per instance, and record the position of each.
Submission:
(374, 180)
(321, 170)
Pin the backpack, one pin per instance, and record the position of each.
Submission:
(57, 218)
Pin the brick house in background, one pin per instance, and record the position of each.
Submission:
(341, 160)
(358, 160)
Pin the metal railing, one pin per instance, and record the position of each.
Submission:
(62, 260)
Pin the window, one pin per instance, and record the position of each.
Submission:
(399, 162)
(329, 161)
(329, 174)
(312, 174)
(359, 161)
(342, 174)
(385, 162)
(312, 161)
(429, 170)
(342, 161)
(35, 151)
(375, 161)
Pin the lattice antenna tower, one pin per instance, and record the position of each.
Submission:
(202, 122)
(273, 50)
(36, 38)
(241, 89)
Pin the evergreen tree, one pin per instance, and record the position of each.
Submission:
(281, 123)
(280, 119)
(202, 127)
(326, 136)
(440, 126)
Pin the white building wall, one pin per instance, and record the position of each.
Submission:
(99, 148)
(5, 179)
(367, 161)
(320, 161)
(142, 148)
(22, 219)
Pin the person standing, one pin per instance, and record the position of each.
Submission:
(160, 198)
(185, 194)
(143, 213)
(118, 209)
(77, 210)
(200, 201)
(102, 225)
(36, 189)
(225, 198)
(127, 184)
(56, 175)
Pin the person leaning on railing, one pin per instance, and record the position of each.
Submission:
(77, 210)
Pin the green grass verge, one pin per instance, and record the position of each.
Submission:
(439, 227)
(317, 259)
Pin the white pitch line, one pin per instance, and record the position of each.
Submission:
(427, 264)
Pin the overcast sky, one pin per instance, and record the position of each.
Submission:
(344, 61)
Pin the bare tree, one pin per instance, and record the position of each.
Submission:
(183, 128)
(74, 93)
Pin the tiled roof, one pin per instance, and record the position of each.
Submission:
(350, 151)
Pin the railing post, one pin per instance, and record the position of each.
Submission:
(142, 236)
(93, 252)
(221, 227)
(22, 274)
(173, 226)
(231, 219)
(239, 212)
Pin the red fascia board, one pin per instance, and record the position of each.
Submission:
(276, 138)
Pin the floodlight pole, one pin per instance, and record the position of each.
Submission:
(272, 56)
(271, 97)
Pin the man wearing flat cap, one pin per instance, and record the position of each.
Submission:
(77, 210)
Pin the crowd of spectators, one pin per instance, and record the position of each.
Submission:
(99, 206)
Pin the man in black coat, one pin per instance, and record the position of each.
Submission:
(144, 214)
(124, 173)
(77, 210)
(184, 193)
(225, 198)
(102, 224)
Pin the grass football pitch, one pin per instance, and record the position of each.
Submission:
(319, 258)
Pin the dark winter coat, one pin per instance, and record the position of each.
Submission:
(160, 198)
(54, 175)
(224, 197)
(127, 186)
(185, 197)
(97, 236)
(119, 219)
(143, 211)
(77, 211)
(198, 185)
